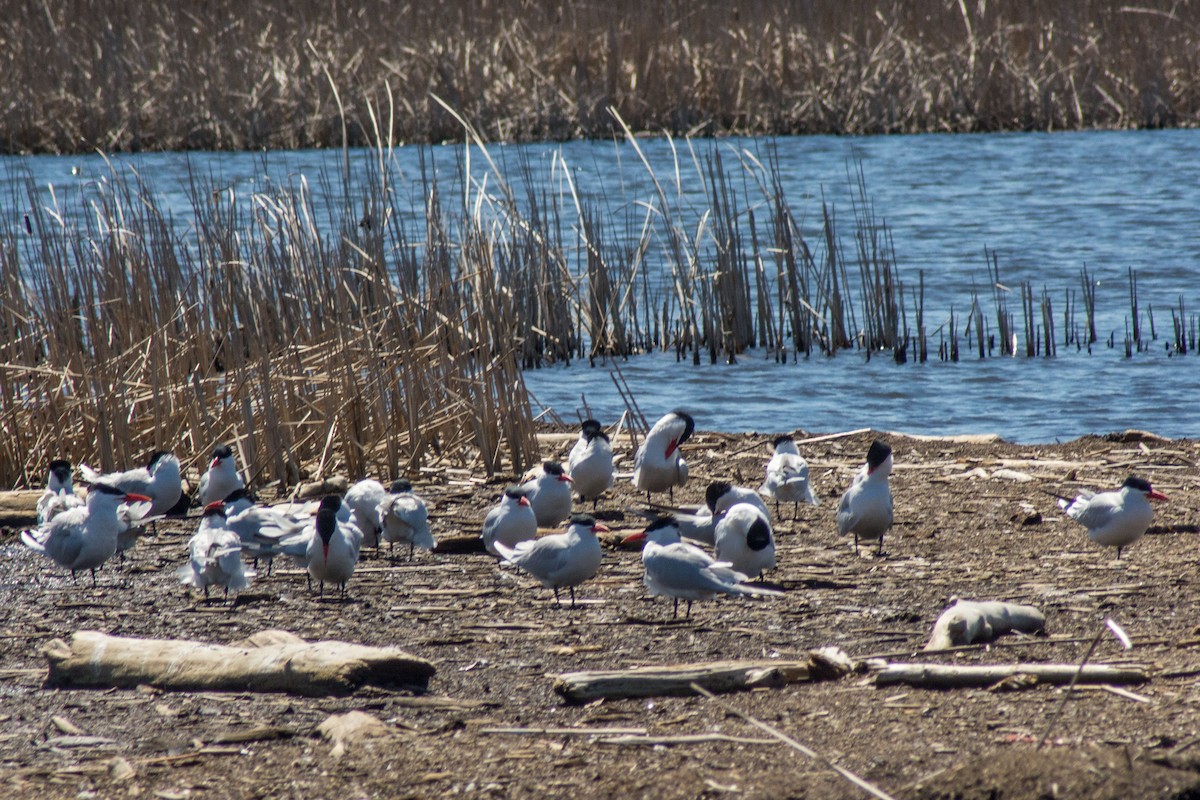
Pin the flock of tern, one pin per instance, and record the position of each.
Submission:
(326, 538)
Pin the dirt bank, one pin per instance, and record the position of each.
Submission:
(966, 525)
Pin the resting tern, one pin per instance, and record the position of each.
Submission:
(744, 540)
(787, 475)
(84, 537)
(866, 507)
(1117, 518)
(510, 522)
(590, 463)
(221, 478)
(685, 572)
(404, 519)
(549, 492)
(560, 560)
(658, 464)
(248, 520)
(59, 494)
(363, 499)
(159, 480)
(699, 524)
(215, 555)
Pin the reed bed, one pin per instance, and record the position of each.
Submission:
(353, 333)
(88, 74)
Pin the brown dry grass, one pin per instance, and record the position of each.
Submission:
(90, 74)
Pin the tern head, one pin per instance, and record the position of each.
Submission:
(237, 495)
(880, 452)
(401, 486)
(155, 457)
(104, 488)
(1142, 485)
(778, 440)
(715, 491)
(591, 429)
(521, 496)
(327, 518)
(662, 531)
(587, 522)
(216, 509)
(554, 468)
(680, 418)
(60, 468)
(219, 454)
(758, 536)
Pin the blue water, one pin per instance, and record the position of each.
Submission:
(1048, 204)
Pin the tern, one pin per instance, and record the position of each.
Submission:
(699, 524)
(560, 560)
(404, 519)
(363, 499)
(1117, 518)
(332, 547)
(248, 520)
(215, 555)
(787, 476)
(509, 523)
(590, 463)
(159, 480)
(59, 495)
(744, 540)
(866, 508)
(658, 464)
(549, 492)
(685, 572)
(221, 478)
(84, 537)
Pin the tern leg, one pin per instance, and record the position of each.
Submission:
(322, 589)
(688, 615)
(879, 551)
(94, 572)
(206, 592)
(410, 551)
(675, 612)
(557, 602)
(572, 588)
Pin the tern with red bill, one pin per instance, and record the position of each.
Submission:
(866, 507)
(658, 465)
(590, 463)
(509, 523)
(215, 555)
(221, 479)
(549, 492)
(85, 537)
(685, 572)
(1117, 518)
(160, 480)
(560, 560)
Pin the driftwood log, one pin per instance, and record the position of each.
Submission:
(270, 661)
(944, 676)
(18, 508)
(717, 677)
(974, 622)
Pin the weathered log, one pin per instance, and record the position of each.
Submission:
(944, 676)
(271, 661)
(717, 676)
(18, 508)
(974, 622)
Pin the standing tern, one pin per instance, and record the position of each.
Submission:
(744, 540)
(549, 488)
(560, 560)
(1117, 518)
(215, 555)
(59, 494)
(404, 519)
(221, 478)
(787, 476)
(84, 537)
(685, 572)
(590, 463)
(159, 480)
(866, 508)
(509, 523)
(658, 464)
